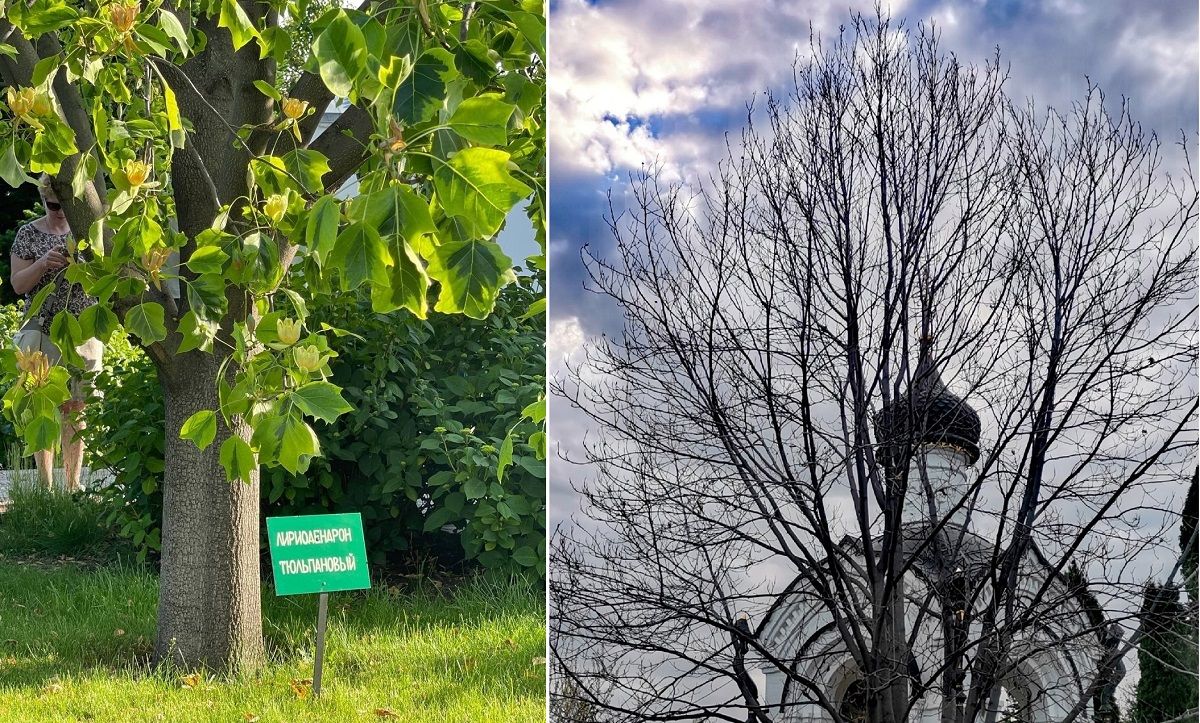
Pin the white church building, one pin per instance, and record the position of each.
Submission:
(1053, 661)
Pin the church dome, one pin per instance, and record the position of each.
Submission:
(928, 414)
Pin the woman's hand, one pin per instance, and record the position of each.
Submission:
(54, 260)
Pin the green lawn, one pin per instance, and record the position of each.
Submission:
(74, 642)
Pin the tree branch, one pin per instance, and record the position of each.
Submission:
(345, 144)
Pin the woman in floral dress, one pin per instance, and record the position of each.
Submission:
(40, 255)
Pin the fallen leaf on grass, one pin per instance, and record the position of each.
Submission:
(386, 713)
(302, 687)
(510, 642)
(250, 717)
(539, 661)
(190, 681)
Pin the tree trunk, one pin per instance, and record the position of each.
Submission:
(210, 606)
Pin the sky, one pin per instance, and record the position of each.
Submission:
(637, 82)
(662, 82)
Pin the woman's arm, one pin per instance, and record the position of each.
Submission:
(26, 273)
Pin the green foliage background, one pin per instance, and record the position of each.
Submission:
(417, 457)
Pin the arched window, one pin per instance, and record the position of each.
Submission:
(1014, 704)
(853, 706)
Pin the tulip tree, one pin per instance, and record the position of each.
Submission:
(202, 204)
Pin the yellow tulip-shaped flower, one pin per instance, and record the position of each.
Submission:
(20, 100)
(35, 365)
(137, 173)
(275, 206)
(288, 331)
(123, 16)
(154, 260)
(308, 357)
(27, 104)
(294, 108)
(41, 104)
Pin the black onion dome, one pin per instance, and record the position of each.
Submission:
(927, 414)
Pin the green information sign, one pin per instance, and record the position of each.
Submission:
(318, 553)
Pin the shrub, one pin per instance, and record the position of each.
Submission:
(17, 206)
(125, 435)
(418, 457)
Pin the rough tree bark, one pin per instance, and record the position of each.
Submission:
(209, 610)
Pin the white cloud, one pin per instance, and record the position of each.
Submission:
(622, 64)
(564, 337)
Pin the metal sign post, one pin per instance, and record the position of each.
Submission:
(318, 554)
(322, 614)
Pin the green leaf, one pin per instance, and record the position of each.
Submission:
(173, 28)
(525, 556)
(395, 210)
(438, 518)
(175, 127)
(52, 144)
(321, 400)
(535, 411)
(297, 445)
(341, 51)
(238, 459)
(206, 296)
(402, 218)
(195, 333)
(154, 38)
(35, 304)
(147, 322)
(200, 428)
(297, 302)
(98, 321)
(235, 19)
(42, 432)
(474, 488)
(207, 260)
(421, 94)
(407, 283)
(536, 308)
(268, 90)
(472, 274)
(66, 334)
(506, 454)
(483, 119)
(472, 60)
(359, 254)
(41, 16)
(308, 167)
(10, 168)
(44, 69)
(85, 170)
(533, 27)
(476, 186)
(321, 231)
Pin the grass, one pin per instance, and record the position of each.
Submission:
(53, 522)
(75, 640)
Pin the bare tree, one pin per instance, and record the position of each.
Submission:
(771, 415)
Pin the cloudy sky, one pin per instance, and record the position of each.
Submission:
(638, 82)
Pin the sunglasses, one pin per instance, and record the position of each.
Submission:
(53, 206)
